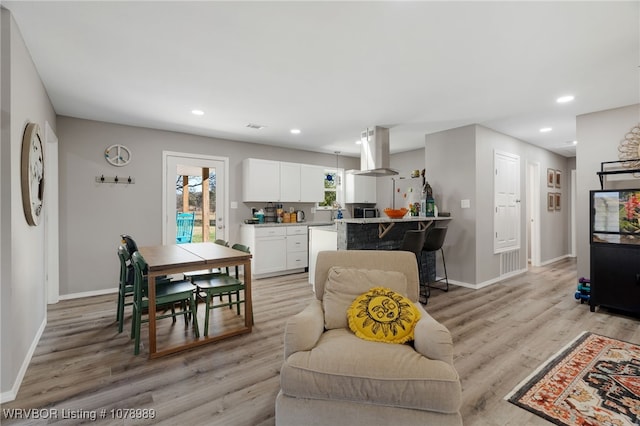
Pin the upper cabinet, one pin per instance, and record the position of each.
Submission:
(360, 189)
(260, 180)
(311, 183)
(265, 180)
(289, 182)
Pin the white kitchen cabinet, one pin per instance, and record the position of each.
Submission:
(321, 238)
(276, 250)
(289, 182)
(297, 247)
(265, 180)
(360, 189)
(311, 184)
(269, 243)
(260, 180)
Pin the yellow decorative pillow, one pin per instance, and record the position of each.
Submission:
(382, 315)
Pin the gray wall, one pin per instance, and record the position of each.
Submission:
(599, 135)
(92, 215)
(404, 163)
(450, 158)
(23, 296)
(460, 166)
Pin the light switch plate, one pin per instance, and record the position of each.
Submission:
(465, 204)
(233, 204)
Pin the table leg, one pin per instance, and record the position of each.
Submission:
(248, 309)
(152, 314)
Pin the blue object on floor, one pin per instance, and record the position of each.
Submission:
(584, 290)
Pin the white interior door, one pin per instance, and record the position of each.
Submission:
(507, 202)
(175, 165)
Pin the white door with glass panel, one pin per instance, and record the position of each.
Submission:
(195, 184)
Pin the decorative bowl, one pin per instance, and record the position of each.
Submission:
(396, 213)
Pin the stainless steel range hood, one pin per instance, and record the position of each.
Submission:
(374, 154)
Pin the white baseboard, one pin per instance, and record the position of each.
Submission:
(11, 395)
(88, 294)
(557, 259)
(462, 284)
(488, 282)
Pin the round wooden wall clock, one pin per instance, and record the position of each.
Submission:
(32, 174)
(117, 155)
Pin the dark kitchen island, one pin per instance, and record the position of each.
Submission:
(382, 233)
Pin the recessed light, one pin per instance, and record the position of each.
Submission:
(564, 99)
(295, 131)
(545, 129)
(575, 142)
(197, 112)
(359, 142)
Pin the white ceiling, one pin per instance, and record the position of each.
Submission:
(333, 68)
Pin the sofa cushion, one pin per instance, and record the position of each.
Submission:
(343, 366)
(382, 315)
(345, 284)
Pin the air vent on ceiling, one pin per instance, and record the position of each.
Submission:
(255, 126)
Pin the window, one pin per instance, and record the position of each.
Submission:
(332, 189)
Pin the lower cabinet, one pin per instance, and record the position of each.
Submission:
(276, 250)
(297, 247)
(267, 255)
(615, 277)
(320, 238)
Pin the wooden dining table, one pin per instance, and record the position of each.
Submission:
(180, 258)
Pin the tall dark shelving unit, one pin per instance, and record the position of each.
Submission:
(615, 255)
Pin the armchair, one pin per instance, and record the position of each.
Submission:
(331, 376)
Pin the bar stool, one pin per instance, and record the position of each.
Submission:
(433, 243)
(414, 241)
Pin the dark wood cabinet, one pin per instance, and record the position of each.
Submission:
(615, 277)
(615, 249)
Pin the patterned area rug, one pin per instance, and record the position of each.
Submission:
(594, 381)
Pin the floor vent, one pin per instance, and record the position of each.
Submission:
(509, 262)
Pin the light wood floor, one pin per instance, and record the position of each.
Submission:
(501, 333)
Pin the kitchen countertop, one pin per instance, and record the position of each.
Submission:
(332, 227)
(388, 220)
(272, 224)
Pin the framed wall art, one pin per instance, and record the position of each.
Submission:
(558, 178)
(551, 177)
(557, 200)
(551, 199)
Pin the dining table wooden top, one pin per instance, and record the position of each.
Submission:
(212, 252)
(167, 257)
(178, 258)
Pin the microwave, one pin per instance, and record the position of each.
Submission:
(365, 212)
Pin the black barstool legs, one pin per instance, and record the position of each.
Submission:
(433, 243)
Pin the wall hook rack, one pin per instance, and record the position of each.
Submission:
(115, 179)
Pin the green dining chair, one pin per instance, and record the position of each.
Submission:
(210, 285)
(125, 287)
(168, 293)
(205, 272)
